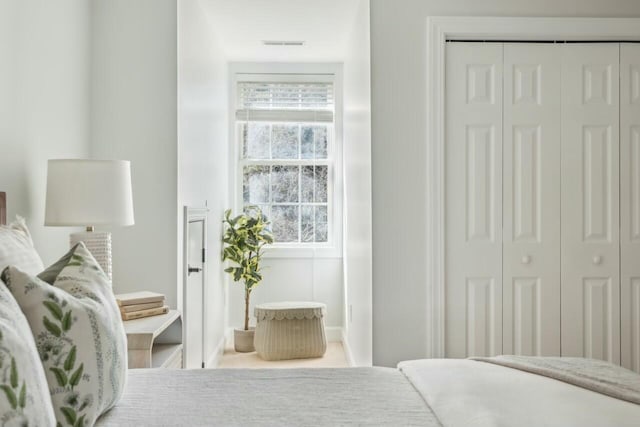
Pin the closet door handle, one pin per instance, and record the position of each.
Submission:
(597, 260)
(526, 259)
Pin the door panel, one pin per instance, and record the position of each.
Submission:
(590, 202)
(474, 199)
(630, 204)
(194, 297)
(531, 170)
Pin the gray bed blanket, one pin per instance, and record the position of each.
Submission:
(269, 397)
(595, 375)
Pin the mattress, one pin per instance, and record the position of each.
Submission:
(472, 393)
(269, 397)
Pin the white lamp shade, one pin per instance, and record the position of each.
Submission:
(89, 193)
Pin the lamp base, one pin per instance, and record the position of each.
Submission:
(99, 244)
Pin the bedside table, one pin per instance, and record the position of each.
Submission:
(155, 342)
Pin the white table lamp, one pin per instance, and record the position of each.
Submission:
(90, 193)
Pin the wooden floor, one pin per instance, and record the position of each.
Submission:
(333, 358)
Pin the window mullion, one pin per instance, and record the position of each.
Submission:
(283, 162)
(299, 204)
(299, 185)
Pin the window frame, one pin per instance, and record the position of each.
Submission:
(292, 72)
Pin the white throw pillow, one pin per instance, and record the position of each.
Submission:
(78, 332)
(24, 395)
(16, 248)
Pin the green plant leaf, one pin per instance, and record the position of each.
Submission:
(13, 377)
(61, 377)
(11, 396)
(244, 237)
(54, 309)
(80, 421)
(51, 327)
(22, 399)
(70, 361)
(75, 378)
(69, 414)
(67, 321)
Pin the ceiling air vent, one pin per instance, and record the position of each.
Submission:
(283, 42)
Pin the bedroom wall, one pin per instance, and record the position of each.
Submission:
(203, 150)
(398, 52)
(134, 117)
(295, 279)
(44, 105)
(357, 198)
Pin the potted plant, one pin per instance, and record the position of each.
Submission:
(244, 238)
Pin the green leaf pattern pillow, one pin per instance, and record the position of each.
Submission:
(78, 332)
(24, 397)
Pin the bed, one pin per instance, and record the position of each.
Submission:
(504, 391)
(448, 392)
(268, 397)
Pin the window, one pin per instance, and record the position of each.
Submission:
(285, 141)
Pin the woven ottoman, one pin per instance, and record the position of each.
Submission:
(290, 330)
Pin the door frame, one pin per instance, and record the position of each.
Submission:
(190, 215)
(439, 30)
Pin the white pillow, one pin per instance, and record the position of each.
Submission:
(16, 248)
(24, 395)
(78, 332)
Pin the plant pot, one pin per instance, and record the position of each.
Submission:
(243, 340)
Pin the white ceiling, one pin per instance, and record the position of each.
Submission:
(242, 25)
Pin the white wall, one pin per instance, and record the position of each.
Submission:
(203, 148)
(293, 279)
(357, 200)
(134, 117)
(398, 40)
(44, 104)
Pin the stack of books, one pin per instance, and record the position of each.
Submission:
(136, 305)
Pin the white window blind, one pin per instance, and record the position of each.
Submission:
(285, 101)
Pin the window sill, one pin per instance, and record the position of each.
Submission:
(302, 252)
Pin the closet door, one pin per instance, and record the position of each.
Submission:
(630, 204)
(531, 175)
(474, 199)
(590, 202)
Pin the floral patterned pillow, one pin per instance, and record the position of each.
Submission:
(16, 248)
(80, 338)
(24, 397)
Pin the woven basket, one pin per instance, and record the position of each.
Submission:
(290, 330)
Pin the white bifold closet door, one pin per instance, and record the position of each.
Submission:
(474, 199)
(590, 201)
(531, 206)
(503, 199)
(543, 200)
(630, 204)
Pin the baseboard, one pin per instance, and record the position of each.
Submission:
(347, 349)
(333, 334)
(214, 359)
